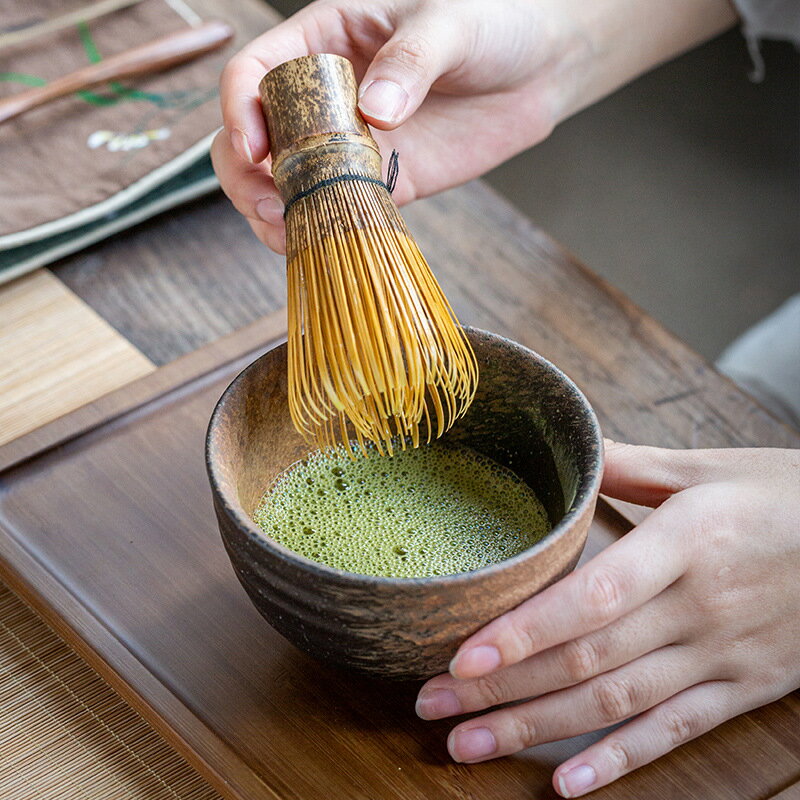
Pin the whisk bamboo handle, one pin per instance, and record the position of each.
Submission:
(151, 57)
(315, 129)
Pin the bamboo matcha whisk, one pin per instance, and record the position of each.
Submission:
(375, 351)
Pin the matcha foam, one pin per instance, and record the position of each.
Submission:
(433, 510)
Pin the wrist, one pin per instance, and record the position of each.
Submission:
(605, 44)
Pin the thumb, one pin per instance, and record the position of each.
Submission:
(649, 475)
(404, 69)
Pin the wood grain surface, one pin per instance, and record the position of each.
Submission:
(200, 273)
(265, 733)
(112, 536)
(789, 793)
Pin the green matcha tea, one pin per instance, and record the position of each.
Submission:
(434, 510)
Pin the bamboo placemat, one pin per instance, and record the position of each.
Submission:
(64, 733)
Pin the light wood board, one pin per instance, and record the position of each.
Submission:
(56, 354)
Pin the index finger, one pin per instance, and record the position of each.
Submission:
(239, 97)
(625, 575)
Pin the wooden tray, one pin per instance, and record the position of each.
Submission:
(107, 529)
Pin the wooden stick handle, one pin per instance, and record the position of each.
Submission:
(151, 57)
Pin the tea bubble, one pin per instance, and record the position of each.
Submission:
(435, 510)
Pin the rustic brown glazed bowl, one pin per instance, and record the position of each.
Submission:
(526, 415)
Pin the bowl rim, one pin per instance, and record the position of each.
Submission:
(585, 494)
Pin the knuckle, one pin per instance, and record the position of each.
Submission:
(409, 52)
(228, 78)
(490, 692)
(519, 640)
(715, 520)
(604, 592)
(217, 148)
(524, 731)
(615, 699)
(580, 660)
(680, 726)
(228, 71)
(710, 525)
(680, 470)
(724, 606)
(620, 756)
(766, 681)
(230, 191)
(677, 476)
(228, 186)
(773, 687)
(717, 605)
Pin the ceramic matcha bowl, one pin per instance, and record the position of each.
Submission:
(527, 415)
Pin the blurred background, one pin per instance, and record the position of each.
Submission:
(682, 189)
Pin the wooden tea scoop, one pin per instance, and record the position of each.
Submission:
(151, 57)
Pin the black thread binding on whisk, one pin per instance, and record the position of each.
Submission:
(393, 171)
(391, 181)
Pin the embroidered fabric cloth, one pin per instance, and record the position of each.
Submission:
(77, 166)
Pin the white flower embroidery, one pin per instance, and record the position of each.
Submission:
(125, 141)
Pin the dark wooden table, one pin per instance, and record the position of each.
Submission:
(189, 277)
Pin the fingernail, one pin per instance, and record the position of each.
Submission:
(472, 744)
(270, 209)
(383, 100)
(241, 145)
(476, 662)
(576, 781)
(437, 703)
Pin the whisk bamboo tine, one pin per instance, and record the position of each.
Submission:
(375, 350)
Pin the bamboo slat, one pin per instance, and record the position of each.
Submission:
(64, 733)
